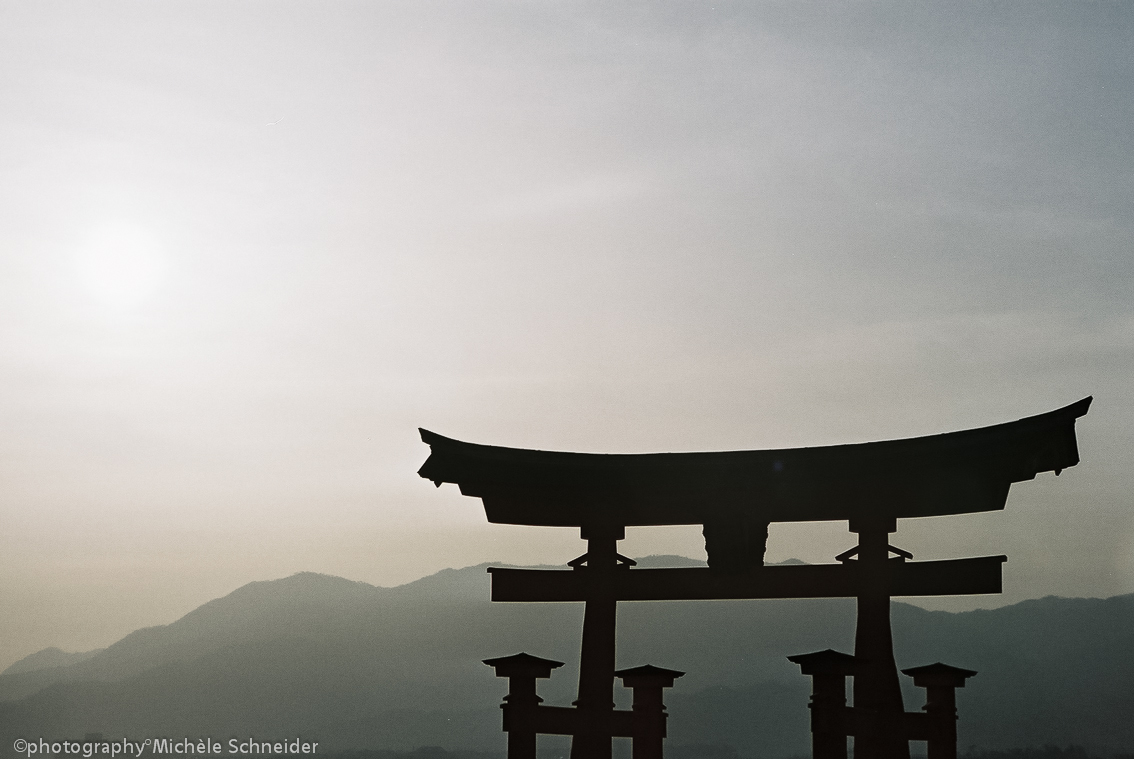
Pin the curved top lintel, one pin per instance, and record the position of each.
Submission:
(949, 473)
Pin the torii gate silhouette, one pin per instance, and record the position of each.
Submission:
(735, 495)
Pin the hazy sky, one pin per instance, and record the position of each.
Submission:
(246, 249)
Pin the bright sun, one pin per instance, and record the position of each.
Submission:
(121, 265)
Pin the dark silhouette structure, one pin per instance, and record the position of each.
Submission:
(735, 495)
(525, 717)
(884, 733)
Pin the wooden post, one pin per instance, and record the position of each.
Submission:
(649, 710)
(830, 718)
(877, 692)
(596, 660)
(940, 682)
(521, 703)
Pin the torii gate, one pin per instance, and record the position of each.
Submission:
(735, 495)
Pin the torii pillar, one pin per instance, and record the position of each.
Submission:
(522, 704)
(596, 660)
(877, 690)
(940, 682)
(649, 720)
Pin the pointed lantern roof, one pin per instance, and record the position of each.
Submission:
(825, 662)
(523, 665)
(648, 676)
(938, 674)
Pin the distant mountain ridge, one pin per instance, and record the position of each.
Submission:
(248, 613)
(361, 666)
(49, 658)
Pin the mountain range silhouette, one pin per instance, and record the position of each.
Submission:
(356, 666)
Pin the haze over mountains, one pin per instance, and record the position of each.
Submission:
(357, 666)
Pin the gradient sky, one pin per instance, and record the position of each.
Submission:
(247, 249)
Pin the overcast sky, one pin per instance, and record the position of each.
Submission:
(247, 249)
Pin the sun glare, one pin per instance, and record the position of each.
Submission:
(121, 266)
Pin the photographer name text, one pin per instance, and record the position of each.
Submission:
(89, 749)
